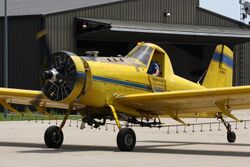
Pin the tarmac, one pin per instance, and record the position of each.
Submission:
(22, 145)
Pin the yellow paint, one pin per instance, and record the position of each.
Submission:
(224, 107)
(101, 93)
(219, 73)
(79, 83)
(8, 106)
(127, 88)
(41, 33)
(41, 108)
(175, 117)
(115, 116)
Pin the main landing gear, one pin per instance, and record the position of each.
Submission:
(231, 136)
(126, 138)
(53, 136)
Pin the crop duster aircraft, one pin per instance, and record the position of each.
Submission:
(123, 89)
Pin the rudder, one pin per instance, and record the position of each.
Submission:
(220, 70)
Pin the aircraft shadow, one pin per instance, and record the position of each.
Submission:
(168, 150)
(195, 143)
(152, 149)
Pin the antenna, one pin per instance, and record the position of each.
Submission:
(244, 10)
(247, 7)
(201, 77)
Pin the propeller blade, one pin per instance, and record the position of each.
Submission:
(41, 36)
(36, 102)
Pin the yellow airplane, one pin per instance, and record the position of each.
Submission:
(138, 88)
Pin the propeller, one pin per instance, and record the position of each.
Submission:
(58, 74)
(41, 36)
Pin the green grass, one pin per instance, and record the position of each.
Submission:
(34, 116)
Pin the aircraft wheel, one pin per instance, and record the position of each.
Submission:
(52, 138)
(126, 139)
(231, 136)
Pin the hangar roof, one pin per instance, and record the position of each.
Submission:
(37, 7)
(44, 7)
(162, 32)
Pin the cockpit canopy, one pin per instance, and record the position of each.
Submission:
(152, 55)
(142, 53)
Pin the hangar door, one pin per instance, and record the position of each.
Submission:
(190, 48)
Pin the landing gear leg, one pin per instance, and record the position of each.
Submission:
(53, 136)
(231, 136)
(126, 138)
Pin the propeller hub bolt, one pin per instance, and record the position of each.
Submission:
(47, 75)
(51, 75)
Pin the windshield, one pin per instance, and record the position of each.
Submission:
(141, 53)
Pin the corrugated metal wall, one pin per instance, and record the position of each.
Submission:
(61, 32)
(24, 52)
(242, 64)
(1, 51)
(207, 18)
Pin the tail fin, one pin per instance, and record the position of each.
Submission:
(220, 70)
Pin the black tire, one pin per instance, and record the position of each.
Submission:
(126, 139)
(51, 137)
(231, 136)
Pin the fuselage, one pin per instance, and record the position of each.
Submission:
(95, 81)
(126, 75)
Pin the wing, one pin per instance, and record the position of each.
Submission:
(25, 97)
(188, 104)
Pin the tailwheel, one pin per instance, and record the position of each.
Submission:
(53, 137)
(126, 139)
(231, 136)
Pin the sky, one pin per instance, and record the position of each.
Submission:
(229, 8)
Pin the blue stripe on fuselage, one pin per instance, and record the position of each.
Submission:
(225, 59)
(81, 75)
(121, 82)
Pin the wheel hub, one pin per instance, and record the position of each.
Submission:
(129, 140)
(56, 137)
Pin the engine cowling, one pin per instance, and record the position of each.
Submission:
(63, 77)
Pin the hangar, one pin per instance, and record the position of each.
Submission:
(186, 31)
